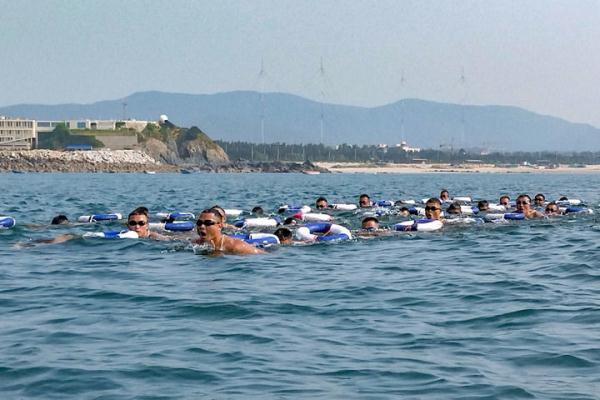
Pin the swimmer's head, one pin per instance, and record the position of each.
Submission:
(209, 223)
(290, 221)
(444, 195)
(60, 220)
(137, 221)
(404, 211)
(433, 208)
(284, 235)
(505, 201)
(483, 205)
(258, 210)
(454, 209)
(321, 203)
(364, 201)
(370, 223)
(539, 199)
(552, 209)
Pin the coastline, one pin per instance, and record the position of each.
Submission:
(356, 167)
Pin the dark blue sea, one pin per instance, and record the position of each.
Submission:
(492, 311)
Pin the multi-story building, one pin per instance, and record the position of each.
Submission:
(17, 134)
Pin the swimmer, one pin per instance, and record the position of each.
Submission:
(60, 220)
(321, 203)
(539, 200)
(370, 227)
(504, 201)
(433, 209)
(208, 227)
(364, 201)
(454, 209)
(483, 206)
(284, 235)
(524, 206)
(223, 215)
(258, 211)
(552, 209)
(369, 224)
(137, 221)
(444, 195)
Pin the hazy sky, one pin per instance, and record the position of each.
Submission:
(540, 55)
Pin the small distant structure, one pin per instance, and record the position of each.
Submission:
(407, 149)
(17, 134)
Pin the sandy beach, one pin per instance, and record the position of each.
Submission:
(463, 168)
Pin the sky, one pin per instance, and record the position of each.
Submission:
(543, 56)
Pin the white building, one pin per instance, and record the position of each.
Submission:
(17, 134)
(94, 124)
(405, 147)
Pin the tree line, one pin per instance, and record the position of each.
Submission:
(373, 153)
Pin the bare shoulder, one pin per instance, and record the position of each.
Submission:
(238, 246)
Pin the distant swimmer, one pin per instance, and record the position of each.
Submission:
(60, 220)
(504, 201)
(137, 221)
(284, 235)
(483, 205)
(454, 209)
(364, 201)
(552, 209)
(258, 211)
(208, 227)
(539, 200)
(524, 206)
(444, 195)
(321, 203)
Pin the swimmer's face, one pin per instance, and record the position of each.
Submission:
(138, 224)
(370, 225)
(552, 209)
(321, 204)
(364, 201)
(208, 224)
(444, 195)
(433, 210)
(523, 204)
(505, 201)
(539, 200)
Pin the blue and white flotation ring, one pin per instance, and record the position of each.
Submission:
(421, 225)
(464, 220)
(384, 203)
(175, 226)
(316, 217)
(7, 222)
(233, 212)
(407, 202)
(293, 209)
(578, 210)
(100, 217)
(496, 207)
(329, 232)
(469, 210)
(258, 238)
(265, 222)
(462, 199)
(344, 207)
(112, 235)
(569, 202)
(494, 217)
(175, 215)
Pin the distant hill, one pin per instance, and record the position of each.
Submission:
(236, 116)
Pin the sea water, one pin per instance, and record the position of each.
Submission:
(491, 311)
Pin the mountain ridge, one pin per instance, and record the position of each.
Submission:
(289, 118)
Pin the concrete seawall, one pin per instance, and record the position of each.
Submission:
(80, 161)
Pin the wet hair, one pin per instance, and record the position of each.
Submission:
(212, 211)
(444, 191)
(290, 221)
(483, 205)
(405, 210)
(319, 200)
(454, 208)
(258, 210)
(364, 195)
(283, 234)
(369, 218)
(524, 196)
(220, 210)
(563, 198)
(434, 200)
(139, 211)
(504, 197)
(60, 219)
(540, 195)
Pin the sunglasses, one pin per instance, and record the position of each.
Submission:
(134, 223)
(522, 202)
(432, 208)
(207, 222)
(552, 210)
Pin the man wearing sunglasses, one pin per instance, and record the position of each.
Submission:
(137, 221)
(209, 225)
(524, 206)
(433, 209)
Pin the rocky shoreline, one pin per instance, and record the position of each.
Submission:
(130, 161)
